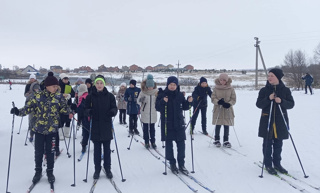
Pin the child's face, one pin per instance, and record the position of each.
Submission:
(204, 84)
(131, 86)
(172, 86)
(122, 87)
(222, 81)
(150, 88)
(52, 89)
(65, 80)
(88, 85)
(99, 85)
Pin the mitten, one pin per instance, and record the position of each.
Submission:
(15, 111)
(221, 102)
(142, 99)
(226, 105)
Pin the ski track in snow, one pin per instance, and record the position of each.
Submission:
(143, 173)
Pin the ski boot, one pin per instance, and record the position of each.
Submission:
(37, 176)
(183, 170)
(227, 144)
(174, 168)
(280, 169)
(217, 143)
(50, 176)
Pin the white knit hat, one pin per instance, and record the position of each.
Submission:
(82, 89)
(63, 75)
(123, 84)
(32, 76)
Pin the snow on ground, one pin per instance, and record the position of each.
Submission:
(224, 173)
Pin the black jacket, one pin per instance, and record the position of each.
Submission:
(264, 103)
(104, 107)
(173, 118)
(200, 94)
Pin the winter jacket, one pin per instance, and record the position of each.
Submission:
(277, 125)
(47, 108)
(27, 89)
(85, 121)
(104, 107)
(132, 106)
(172, 119)
(200, 94)
(67, 89)
(147, 101)
(308, 79)
(122, 104)
(223, 116)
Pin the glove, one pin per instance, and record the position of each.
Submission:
(129, 98)
(226, 105)
(88, 112)
(15, 111)
(221, 102)
(142, 99)
(73, 106)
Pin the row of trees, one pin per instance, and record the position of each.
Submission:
(297, 64)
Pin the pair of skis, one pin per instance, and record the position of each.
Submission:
(110, 180)
(51, 183)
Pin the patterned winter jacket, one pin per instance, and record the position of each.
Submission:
(47, 108)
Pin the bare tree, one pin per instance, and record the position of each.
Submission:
(317, 54)
(295, 65)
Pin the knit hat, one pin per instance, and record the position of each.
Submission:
(172, 79)
(51, 80)
(203, 79)
(82, 89)
(63, 75)
(224, 76)
(100, 77)
(32, 76)
(79, 81)
(123, 84)
(277, 72)
(149, 82)
(134, 82)
(88, 80)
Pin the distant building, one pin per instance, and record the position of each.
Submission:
(134, 68)
(83, 69)
(149, 68)
(102, 68)
(29, 69)
(56, 69)
(113, 69)
(160, 67)
(170, 66)
(189, 67)
(125, 69)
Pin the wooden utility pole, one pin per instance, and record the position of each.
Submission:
(258, 52)
(178, 70)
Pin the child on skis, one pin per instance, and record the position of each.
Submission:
(147, 101)
(170, 103)
(47, 105)
(273, 137)
(122, 104)
(101, 107)
(133, 108)
(79, 109)
(223, 97)
(200, 93)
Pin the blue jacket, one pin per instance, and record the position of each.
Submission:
(131, 97)
(200, 94)
(173, 118)
(308, 78)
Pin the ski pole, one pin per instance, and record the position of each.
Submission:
(20, 125)
(130, 142)
(25, 142)
(292, 141)
(71, 128)
(10, 150)
(74, 157)
(115, 141)
(165, 134)
(216, 122)
(193, 115)
(191, 140)
(85, 180)
(65, 142)
(233, 127)
(266, 140)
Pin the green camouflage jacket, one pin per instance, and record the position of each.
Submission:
(46, 107)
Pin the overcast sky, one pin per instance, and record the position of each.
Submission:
(203, 33)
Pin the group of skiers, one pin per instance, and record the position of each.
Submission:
(50, 111)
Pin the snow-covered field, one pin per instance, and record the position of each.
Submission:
(234, 173)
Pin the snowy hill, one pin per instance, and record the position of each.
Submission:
(223, 172)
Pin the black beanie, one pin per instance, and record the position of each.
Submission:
(51, 80)
(88, 80)
(172, 79)
(277, 72)
(203, 79)
(134, 82)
